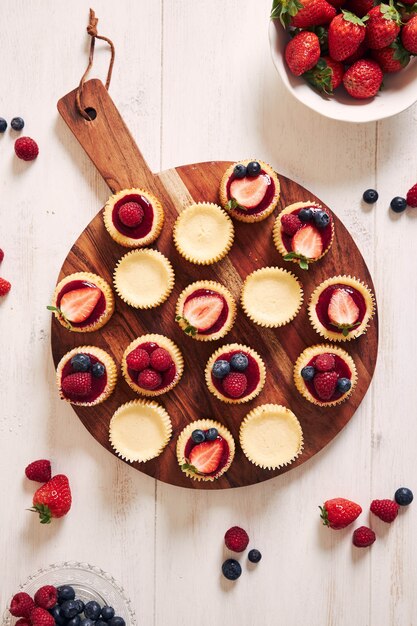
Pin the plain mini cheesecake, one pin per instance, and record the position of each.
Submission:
(341, 308)
(206, 310)
(249, 190)
(133, 217)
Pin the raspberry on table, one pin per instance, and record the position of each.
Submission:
(26, 148)
(236, 539)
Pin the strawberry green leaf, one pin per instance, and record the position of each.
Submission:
(189, 328)
(354, 19)
(323, 515)
(389, 12)
(302, 261)
(43, 511)
(320, 77)
(400, 53)
(284, 10)
(60, 313)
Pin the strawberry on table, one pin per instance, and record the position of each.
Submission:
(346, 33)
(52, 499)
(205, 457)
(327, 75)
(393, 58)
(302, 52)
(363, 79)
(343, 311)
(409, 35)
(248, 192)
(77, 305)
(202, 312)
(386, 510)
(383, 26)
(339, 513)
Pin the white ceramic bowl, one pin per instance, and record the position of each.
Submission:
(399, 92)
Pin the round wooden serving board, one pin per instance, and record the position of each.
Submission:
(112, 149)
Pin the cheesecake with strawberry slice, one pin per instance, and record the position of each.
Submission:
(341, 308)
(325, 375)
(249, 190)
(303, 233)
(206, 310)
(82, 302)
(205, 450)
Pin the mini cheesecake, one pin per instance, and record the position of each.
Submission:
(303, 233)
(82, 302)
(86, 376)
(249, 190)
(235, 373)
(205, 450)
(152, 365)
(206, 310)
(341, 307)
(133, 217)
(325, 375)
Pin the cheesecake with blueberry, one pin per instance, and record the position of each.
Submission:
(133, 217)
(86, 376)
(82, 302)
(152, 365)
(341, 308)
(325, 375)
(303, 233)
(205, 450)
(235, 373)
(206, 310)
(249, 190)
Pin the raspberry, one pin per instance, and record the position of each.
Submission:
(41, 617)
(26, 148)
(77, 384)
(290, 224)
(39, 471)
(325, 384)
(46, 597)
(386, 510)
(23, 621)
(412, 196)
(234, 384)
(325, 362)
(149, 379)
(131, 214)
(5, 287)
(236, 539)
(363, 537)
(138, 360)
(21, 605)
(161, 360)
(1, 255)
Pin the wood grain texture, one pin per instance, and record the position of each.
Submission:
(107, 142)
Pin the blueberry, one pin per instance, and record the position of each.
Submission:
(398, 204)
(239, 362)
(80, 606)
(17, 123)
(80, 363)
(321, 219)
(220, 369)
(254, 556)
(98, 370)
(305, 215)
(92, 610)
(69, 609)
(343, 385)
(57, 615)
(308, 372)
(74, 621)
(101, 622)
(3, 125)
(65, 592)
(231, 569)
(117, 621)
(87, 622)
(212, 434)
(107, 612)
(403, 496)
(198, 436)
(239, 171)
(253, 168)
(370, 196)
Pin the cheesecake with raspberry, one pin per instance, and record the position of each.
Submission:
(152, 365)
(235, 373)
(133, 217)
(303, 233)
(249, 190)
(325, 375)
(341, 308)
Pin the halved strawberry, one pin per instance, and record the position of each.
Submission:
(203, 312)
(342, 310)
(307, 243)
(249, 192)
(205, 457)
(77, 305)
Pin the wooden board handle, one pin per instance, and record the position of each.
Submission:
(106, 139)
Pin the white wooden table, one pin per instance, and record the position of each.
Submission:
(194, 81)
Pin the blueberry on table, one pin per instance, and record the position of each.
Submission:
(107, 612)
(254, 556)
(220, 368)
(403, 496)
(69, 609)
(65, 592)
(98, 370)
(198, 436)
(3, 125)
(305, 215)
(239, 171)
(253, 168)
(321, 219)
(308, 372)
(80, 605)
(370, 196)
(239, 362)
(17, 123)
(92, 610)
(343, 385)
(116, 621)
(398, 204)
(80, 363)
(231, 569)
(212, 434)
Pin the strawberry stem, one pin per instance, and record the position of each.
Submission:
(189, 329)
(61, 314)
(323, 515)
(302, 260)
(44, 512)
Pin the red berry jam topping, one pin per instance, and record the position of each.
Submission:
(83, 378)
(250, 194)
(133, 216)
(308, 237)
(82, 303)
(150, 366)
(341, 308)
(235, 374)
(209, 457)
(206, 311)
(327, 377)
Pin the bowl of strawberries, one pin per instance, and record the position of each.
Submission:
(349, 60)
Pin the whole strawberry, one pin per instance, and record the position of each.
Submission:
(339, 513)
(392, 58)
(46, 597)
(383, 26)
(386, 510)
(363, 537)
(412, 196)
(359, 7)
(41, 617)
(409, 35)
(52, 499)
(40, 471)
(346, 33)
(363, 79)
(302, 52)
(313, 13)
(360, 53)
(5, 287)
(327, 75)
(26, 148)
(236, 539)
(21, 605)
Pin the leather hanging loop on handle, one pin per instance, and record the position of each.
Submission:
(92, 31)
